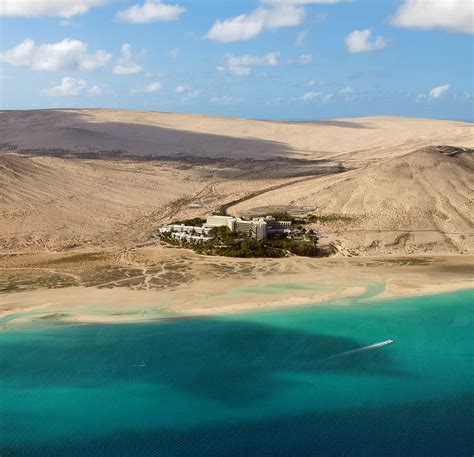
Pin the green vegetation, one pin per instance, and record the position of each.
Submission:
(247, 247)
(222, 211)
(235, 244)
(304, 247)
(329, 218)
(196, 222)
(224, 234)
(310, 219)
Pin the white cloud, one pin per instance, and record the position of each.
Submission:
(187, 92)
(309, 96)
(180, 88)
(301, 38)
(148, 89)
(247, 26)
(305, 59)
(226, 100)
(22, 55)
(327, 98)
(438, 91)
(235, 29)
(360, 41)
(313, 96)
(95, 90)
(236, 71)
(173, 53)
(36, 8)
(305, 2)
(451, 15)
(434, 94)
(127, 64)
(68, 87)
(151, 11)
(241, 65)
(348, 93)
(314, 82)
(73, 87)
(91, 62)
(63, 55)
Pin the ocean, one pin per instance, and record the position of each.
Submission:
(283, 382)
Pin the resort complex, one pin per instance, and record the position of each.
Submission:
(258, 228)
(264, 236)
(187, 233)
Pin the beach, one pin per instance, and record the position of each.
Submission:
(215, 286)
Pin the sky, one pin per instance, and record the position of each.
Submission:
(264, 59)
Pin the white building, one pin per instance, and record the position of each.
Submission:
(259, 230)
(183, 236)
(274, 226)
(177, 228)
(259, 227)
(220, 221)
(243, 226)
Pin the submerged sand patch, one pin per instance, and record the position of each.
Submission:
(217, 286)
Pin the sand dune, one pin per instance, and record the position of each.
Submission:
(57, 203)
(429, 190)
(166, 134)
(73, 178)
(45, 200)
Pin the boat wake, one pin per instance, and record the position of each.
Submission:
(363, 349)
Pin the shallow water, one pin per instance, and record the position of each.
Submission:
(275, 382)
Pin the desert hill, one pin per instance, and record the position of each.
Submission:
(426, 194)
(57, 203)
(107, 178)
(152, 134)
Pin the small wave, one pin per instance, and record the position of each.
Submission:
(362, 349)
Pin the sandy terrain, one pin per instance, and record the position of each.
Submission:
(217, 286)
(166, 134)
(83, 191)
(106, 178)
(419, 202)
(56, 203)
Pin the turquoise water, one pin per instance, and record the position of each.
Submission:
(259, 384)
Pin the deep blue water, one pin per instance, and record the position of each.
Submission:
(260, 384)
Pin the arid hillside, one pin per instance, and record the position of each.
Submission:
(422, 198)
(154, 134)
(106, 178)
(56, 203)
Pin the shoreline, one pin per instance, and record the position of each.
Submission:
(337, 282)
(50, 320)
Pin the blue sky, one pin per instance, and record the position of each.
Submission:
(270, 59)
